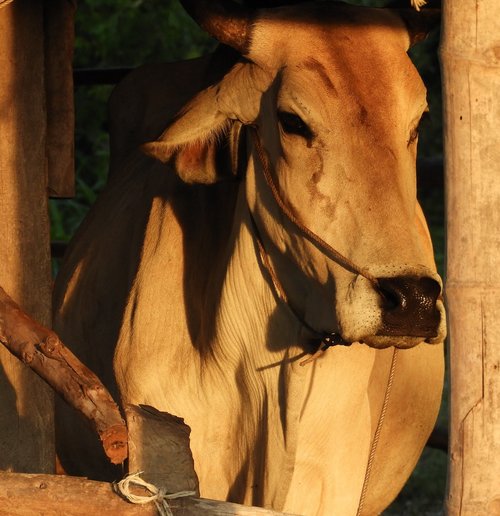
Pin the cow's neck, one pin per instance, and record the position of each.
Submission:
(251, 321)
(283, 416)
(255, 347)
(231, 371)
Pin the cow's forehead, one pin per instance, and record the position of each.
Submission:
(338, 36)
(338, 50)
(278, 31)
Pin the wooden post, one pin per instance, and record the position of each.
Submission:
(470, 54)
(26, 426)
(159, 446)
(59, 42)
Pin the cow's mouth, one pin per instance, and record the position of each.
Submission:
(381, 341)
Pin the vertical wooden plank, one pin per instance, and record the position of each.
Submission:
(26, 415)
(470, 55)
(59, 42)
(159, 446)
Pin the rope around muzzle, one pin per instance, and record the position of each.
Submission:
(158, 495)
(323, 246)
(327, 339)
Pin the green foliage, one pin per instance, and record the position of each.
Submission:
(425, 57)
(133, 32)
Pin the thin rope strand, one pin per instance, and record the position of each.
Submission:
(376, 437)
(317, 240)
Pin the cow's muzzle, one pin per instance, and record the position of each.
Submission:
(409, 306)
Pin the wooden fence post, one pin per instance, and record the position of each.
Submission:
(470, 54)
(26, 415)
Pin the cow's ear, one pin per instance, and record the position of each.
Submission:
(191, 142)
(419, 23)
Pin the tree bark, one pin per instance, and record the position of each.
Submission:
(470, 54)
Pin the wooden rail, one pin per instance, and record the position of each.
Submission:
(95, 76)
(53, 495)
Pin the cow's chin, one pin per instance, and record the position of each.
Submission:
(386, 341)
(379, 341)
(370, 333)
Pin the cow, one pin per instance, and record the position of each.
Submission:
(259, 264)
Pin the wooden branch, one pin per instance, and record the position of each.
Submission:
(59, 38)
(42, 350)
(52, 495)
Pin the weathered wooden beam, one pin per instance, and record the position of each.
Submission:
(470, 54)
(26, 415)
(58, 53)
(159, 446)
(53, 495)
(42, 350)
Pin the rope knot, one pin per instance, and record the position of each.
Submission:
(158, 495)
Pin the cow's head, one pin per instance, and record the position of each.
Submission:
(336, 102)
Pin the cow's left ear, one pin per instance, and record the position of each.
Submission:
(419, 23)
(191, 142)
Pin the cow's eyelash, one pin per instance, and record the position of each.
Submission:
(293, 124)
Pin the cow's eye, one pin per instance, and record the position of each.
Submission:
(293, 124)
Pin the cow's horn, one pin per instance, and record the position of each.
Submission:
(225, 20)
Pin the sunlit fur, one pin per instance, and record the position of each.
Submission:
(164, 281)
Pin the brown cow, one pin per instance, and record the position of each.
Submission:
(279, 217)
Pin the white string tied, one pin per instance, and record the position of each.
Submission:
(158, 495)
(417, 4)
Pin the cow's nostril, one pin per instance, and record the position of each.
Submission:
(409, 305)
(391, 298)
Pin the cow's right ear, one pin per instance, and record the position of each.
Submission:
(190, 142)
